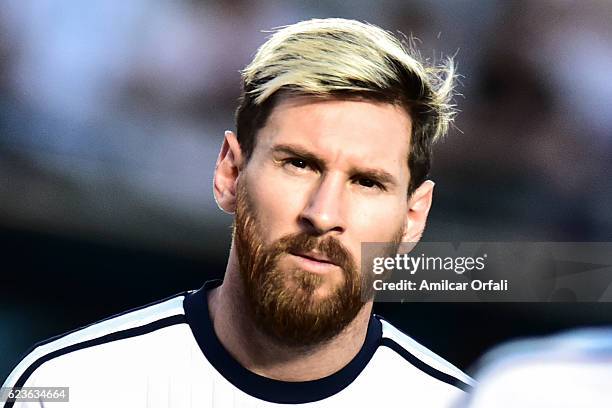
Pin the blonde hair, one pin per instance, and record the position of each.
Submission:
(339, 58)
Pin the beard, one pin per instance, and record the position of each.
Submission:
(286, 303)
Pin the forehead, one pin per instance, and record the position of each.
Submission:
(353, 131)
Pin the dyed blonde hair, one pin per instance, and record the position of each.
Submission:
(338, 58)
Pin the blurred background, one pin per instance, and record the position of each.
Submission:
(112, 114)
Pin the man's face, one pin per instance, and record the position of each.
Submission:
(325, 176)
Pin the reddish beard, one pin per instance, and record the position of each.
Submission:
(283, 302)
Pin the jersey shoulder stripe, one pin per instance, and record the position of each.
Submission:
(134, 322)
(130, 312)
(423, 358)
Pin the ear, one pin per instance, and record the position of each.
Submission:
(227, 170)
(418, 209)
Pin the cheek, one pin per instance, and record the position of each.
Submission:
(277, 204)
(378, 220)
(376, 223)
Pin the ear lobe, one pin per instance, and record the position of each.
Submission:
(418, 210)
(227, 171)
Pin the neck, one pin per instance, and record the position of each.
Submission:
(258, 353)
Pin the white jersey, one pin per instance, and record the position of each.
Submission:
(167, 355)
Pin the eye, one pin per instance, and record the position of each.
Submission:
(369, 183)
(296, 162)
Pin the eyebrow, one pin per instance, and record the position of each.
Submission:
(379, 175)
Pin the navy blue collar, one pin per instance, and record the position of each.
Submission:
(281, 392)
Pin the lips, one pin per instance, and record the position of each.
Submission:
(315, 257)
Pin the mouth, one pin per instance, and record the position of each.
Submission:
(314, 262)
(314, 257)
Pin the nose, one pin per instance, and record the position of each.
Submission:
(323, 212)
